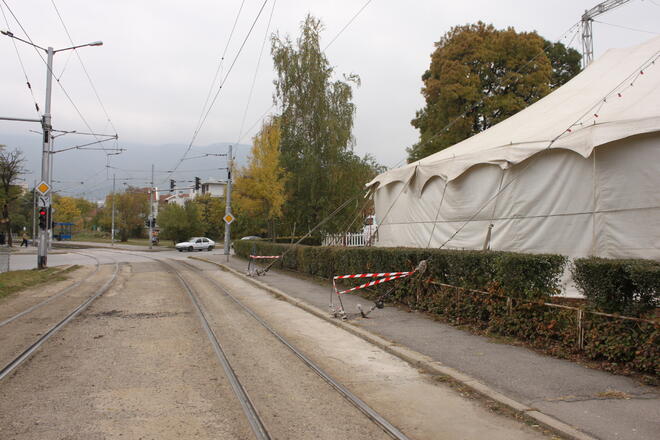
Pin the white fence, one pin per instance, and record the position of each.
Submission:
(350, 239)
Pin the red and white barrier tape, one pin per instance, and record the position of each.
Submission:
(265, 256)
(388, 276)
(372, 275)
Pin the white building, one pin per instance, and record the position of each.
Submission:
(215, 188)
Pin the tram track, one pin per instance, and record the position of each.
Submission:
(256, 423)
(33, 347)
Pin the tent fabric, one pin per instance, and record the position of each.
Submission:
(574, 106)
(595, 191)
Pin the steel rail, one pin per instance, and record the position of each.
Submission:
(347, 394)
(11, 366)
(57, 295)
(246, 403)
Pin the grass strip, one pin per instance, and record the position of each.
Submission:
(14, 281)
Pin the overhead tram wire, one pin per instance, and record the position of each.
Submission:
(50, 71)
(20, 61)
(347, 25)
(82, 64)
(222, 83)
(341, 31)
(626, 27)
(256, 71)
(217, 71)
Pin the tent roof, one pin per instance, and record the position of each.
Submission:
(626, 102)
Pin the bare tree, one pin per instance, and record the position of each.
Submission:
(11, 167)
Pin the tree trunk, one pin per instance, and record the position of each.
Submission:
(5, 217)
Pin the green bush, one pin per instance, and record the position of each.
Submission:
(629, 287)
(529, 280)
(528, 276)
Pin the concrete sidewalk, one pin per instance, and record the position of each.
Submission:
(597, 403)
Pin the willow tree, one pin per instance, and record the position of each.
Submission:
(480, 76)
(316, 121)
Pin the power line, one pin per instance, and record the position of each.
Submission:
(82, 64)
(217, 71)
(256, 71)
(347, 25)
(626, 27)
(50, 71)
(20, 60)
(264, 114)
(222, 83)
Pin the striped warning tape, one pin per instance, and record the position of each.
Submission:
(265, 256)
(389, 276)
(372, 275)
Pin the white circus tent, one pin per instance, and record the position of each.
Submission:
(576, 173)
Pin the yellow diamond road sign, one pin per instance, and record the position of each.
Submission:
(228, 218)
(43, 188)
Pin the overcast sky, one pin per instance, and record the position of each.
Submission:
(158, 59)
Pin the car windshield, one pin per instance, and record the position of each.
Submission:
(192, 239)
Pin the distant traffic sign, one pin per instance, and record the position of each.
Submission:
(43, 188)
(228, 218)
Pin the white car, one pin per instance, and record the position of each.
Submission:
(196, 244)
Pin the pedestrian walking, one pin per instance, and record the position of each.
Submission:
(25, 240)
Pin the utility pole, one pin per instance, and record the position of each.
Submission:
(44, 201)
(228, 202)
(112, 228)
(151, 209)
(47, 144)
(34, 214)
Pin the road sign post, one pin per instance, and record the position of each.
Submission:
(228, 204)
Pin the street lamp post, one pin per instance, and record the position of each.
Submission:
(47, 143)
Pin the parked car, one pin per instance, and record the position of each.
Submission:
(196, 244)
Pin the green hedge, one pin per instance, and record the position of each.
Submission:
(526, 276)
(629, 287)
(528, 279)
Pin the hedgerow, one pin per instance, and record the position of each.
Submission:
(630, 287)
(501, 293)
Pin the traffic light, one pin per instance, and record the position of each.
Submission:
(198, 183)
(172, 185)
(43, 217)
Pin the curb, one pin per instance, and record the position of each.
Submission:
(117, 248)
(420, 360)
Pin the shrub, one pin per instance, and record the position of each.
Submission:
(528, 276)
(629, 287)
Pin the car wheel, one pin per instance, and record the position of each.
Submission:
(190, 249)
(180, 250)
(210, 248)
